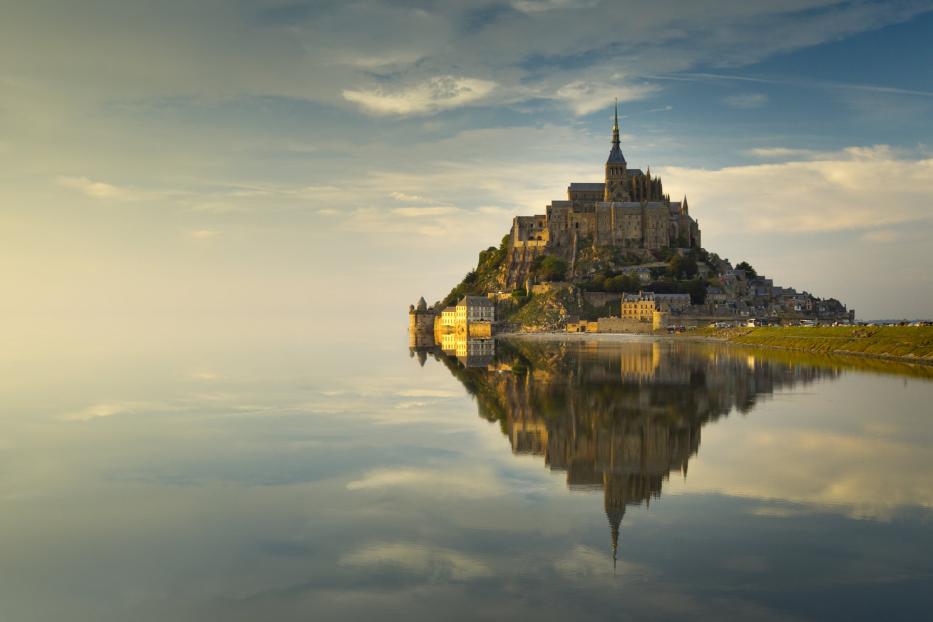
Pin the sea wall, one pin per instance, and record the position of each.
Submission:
(622, 325)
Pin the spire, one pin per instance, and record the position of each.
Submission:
(615, 124)
(615, 154)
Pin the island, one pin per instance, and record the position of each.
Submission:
(618, 256)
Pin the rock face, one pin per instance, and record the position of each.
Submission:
(550, 310)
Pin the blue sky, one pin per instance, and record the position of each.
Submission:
(335, 160)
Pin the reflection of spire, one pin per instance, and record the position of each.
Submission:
(615, 522)
(601, 428)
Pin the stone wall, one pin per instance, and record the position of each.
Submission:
(421, 322)
(621, 325)
(551, 286)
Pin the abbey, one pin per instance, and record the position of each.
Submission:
(627, 210)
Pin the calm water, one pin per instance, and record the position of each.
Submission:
(290, 480)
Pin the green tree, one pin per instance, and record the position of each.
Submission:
(749, 271)
(622, 283)
(682, 267)
(550, 268)
(697, 291)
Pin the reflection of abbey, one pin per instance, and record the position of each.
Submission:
(627, 210)
(614, 417)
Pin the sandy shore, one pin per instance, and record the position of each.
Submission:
(608, 337)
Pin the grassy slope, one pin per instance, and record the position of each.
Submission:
(913, 342)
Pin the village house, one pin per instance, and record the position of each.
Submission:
(476, 309)
(716, 296)
(643, 305)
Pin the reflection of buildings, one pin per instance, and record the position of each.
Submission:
(468, 351)
(463, 331)
(619, 417)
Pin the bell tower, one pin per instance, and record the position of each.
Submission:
(616, 188)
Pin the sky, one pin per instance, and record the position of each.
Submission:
(328, 163)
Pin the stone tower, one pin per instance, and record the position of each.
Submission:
(616, 173)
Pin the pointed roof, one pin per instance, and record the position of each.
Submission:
(615, 522)
(615, 154)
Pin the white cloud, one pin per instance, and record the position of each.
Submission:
(411, 198)
(468, 483)
(432, 95)
(836, 192)
(584, 562)
(103, 410)
(746, 100)
(880, 235)
(202, 234)
(219, 50)
(539, 6)
(379, 61)
(433, 231)
(317, 191)
(421, 212)
(870, 475)
(779, 153)
(205, 374)
(586, 97)
(91, 188)
(420, 559)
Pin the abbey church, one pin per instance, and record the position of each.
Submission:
(627, 210)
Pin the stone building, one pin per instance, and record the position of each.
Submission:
(628, 210)
(643, 305)
(420, 325)
(476, 309)
(448, 318)
(472, 315)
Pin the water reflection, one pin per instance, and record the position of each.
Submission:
(616, 417)
(283, 480)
